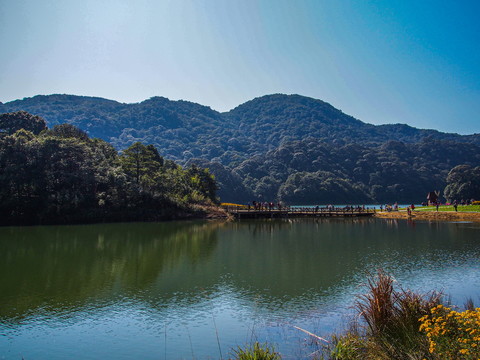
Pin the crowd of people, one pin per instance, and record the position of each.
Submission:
(269, 206)
(259, 205)
(388, 207)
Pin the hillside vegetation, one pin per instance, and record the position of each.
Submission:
(61, 175)
(277, 147)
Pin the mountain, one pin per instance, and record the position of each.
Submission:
(172, 126)
(273, 147)
(182, 130)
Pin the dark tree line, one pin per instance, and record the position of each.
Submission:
(312, 172)
(61, 175)
(276, 147)
(182, 130)
(463, 183)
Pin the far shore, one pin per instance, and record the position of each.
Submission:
(430, 215)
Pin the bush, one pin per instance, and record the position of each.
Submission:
(387, 324)
(452, 335)
(257, 352)
(349, 346)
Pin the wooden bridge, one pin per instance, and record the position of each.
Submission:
(296, 212)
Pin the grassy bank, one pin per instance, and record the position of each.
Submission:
(445, 213)
(461, 208)
(392, 323)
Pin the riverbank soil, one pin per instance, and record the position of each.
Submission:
(211, 212)
(431, 215)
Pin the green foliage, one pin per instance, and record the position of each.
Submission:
(320, 187)
(309, 172)
(68, 131)
(202, 180)
(12, 122)
(386, 324)
(348, 346)
(453, 335)
(390, 324)
(141, 163)
(463, 182)
(256, 149)
(180, 129)
(256, 352)
(400, 324)
(61, 175)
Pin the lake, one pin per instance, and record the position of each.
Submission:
(195, 290)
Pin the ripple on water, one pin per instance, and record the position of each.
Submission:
(251, 280)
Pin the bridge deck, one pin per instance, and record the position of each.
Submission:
(275, 213)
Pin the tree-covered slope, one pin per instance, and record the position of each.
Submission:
(279, 118)
(312, 172)
(179, 129)
(274, 119)
(274, 147)
(61, 175)
(183, 130)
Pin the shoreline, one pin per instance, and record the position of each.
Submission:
(196, 212)
(430, 215)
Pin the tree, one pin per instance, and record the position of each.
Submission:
(68, 131)
(63, 176)
(12, 122)
(20, 178)
(463, 182)
(202, 181)
(141, 162)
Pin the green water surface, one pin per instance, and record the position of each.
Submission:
(183, 290)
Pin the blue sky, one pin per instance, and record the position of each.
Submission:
(414, 62)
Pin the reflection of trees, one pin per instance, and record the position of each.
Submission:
(62, 266)
(269, 263)
(284, 259)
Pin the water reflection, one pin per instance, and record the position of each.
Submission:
(174, 278)
(66, 266)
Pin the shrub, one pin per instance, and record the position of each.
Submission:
(348, 346)
(387, 324)
(256, 352)
(452, 335)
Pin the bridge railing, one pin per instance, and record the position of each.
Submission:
(237, 208)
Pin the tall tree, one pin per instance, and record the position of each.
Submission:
(68, 131)
(141, 162)
(202, 181)
(463, 182)
(12, 122)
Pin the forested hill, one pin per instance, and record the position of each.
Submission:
(256, 148)
(183, 130)
(280, 118)
(168, 124)
(61, 175)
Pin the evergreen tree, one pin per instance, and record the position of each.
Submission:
(141, 163)
(463, 182)
(12, 122)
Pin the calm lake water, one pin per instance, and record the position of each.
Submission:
(185, 290)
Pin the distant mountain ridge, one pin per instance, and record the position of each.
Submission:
(254, 127)
(258, 129)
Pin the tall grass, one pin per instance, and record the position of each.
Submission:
(387, 326)
(256, 352)
(392, 323)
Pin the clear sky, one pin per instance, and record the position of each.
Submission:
(398, 61)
